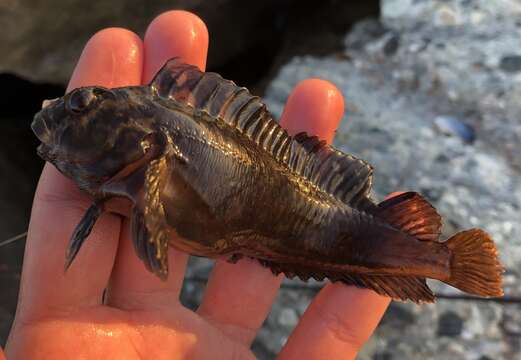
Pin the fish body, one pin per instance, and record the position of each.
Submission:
(209, 172)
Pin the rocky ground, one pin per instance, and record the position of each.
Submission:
(433, 97)
(432, 93)
(434, 106)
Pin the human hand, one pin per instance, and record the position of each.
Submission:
(62, 315)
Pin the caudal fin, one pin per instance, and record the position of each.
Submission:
(475, 267)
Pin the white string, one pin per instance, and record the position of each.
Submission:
(13, 239)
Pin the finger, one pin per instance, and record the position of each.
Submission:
(337, 323)
(174, 33)
(171, 34)
(238, 297)
(112, 57)
(316, 106)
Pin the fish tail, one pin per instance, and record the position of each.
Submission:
(475, 267)
(472, 266)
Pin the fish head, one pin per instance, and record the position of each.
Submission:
(92, 133)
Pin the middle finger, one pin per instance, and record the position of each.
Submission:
(171, 34)
(238, 297)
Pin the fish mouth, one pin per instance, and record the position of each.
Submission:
(40, 129)
(42, 132)
(45, 152)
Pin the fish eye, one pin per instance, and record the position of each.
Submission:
(80, 99)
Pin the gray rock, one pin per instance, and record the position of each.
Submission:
(41, 41)
(510, 63)
(398, 78)
(392, 101)
(452, 126)
(424, 60)
(450, 324)
(443, 13)
(391, 127)
(470, 69)
(288, 317)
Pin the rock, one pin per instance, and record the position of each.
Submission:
(41, 41)
(391, 45)
(384, 355)
(450, 324)
(472, 176)
(511, 323)
(396, 9)
(426, 60)
(452, 126)
(447, 13)
(447, 16)
(398, 316)
(288, 317)
(510, 63)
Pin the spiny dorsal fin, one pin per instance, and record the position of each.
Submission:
(207, 92)
(397, 287)
(412, 214)
(343, 176)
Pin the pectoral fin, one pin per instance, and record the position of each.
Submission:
(150, 232)
(81, 232)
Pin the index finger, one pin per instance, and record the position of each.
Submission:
(112, 57)
(171, 34)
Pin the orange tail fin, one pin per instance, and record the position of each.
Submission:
(475, 267)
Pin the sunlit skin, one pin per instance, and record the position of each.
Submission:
(61, 315)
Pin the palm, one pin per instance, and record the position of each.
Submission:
(62, 315)
(156, 334)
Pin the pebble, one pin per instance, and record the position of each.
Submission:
(450, 324)
(511, 63)
(288, 317)
(391, 45)
(472, 183)
(452, 126)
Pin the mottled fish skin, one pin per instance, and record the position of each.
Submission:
(211, 173)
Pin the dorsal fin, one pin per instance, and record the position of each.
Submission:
(343, 176)
(207, 92)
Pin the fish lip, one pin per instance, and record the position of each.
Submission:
(45, 152)
(40, 129)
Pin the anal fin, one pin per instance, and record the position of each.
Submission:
(412, 214)
(396, 287)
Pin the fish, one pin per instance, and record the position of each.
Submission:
(209, 171)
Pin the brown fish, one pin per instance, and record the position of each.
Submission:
(203, 159)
